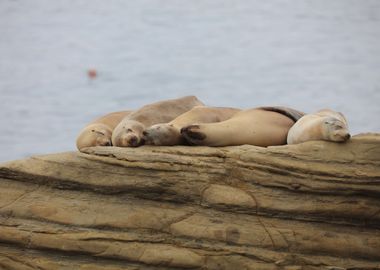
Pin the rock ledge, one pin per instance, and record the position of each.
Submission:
(310, 206)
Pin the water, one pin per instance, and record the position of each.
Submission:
(304, 54)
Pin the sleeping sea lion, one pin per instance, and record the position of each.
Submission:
(99, 132)
(263, 126)
(327, 125)
(129, 132)
(170, 133)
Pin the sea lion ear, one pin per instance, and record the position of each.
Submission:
(330, 120)
(343, 117)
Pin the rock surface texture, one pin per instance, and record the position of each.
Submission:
(309, 206)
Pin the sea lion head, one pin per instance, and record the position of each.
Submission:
(94, 135)
(336, 130)
(128, 134)
(162, 134)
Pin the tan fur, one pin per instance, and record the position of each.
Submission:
(129, 132)
(325, 125)
(254, 126)
(331, 113)
(169, 133)
(99, 131)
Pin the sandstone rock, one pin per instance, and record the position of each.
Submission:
(309, 206)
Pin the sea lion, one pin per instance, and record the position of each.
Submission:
(170, 133)
(129, 132)
(99, 131)
(263, 126)
(327, 125)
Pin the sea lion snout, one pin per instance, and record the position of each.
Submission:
(147, 137)
(341, 136)
(338, 130)
(128, 140)
(133, 141)
(105, 142)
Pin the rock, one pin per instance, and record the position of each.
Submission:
(309, 206)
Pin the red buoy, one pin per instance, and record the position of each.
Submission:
(92, 73)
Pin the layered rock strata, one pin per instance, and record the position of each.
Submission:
(314, 205)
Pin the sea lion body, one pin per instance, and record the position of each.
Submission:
(129, 132)
(170, 133)
(263, 126)
(324, 125)
(99, 131)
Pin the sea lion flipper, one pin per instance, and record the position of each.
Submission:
(192, 134)
(288, 112)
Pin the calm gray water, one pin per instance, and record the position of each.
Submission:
(308, 54)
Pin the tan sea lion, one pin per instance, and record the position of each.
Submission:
(263, 126)
(129, 132)
(327, 125)
(170, 133)
(99, 132)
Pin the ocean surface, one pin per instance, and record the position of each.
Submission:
(309, 55)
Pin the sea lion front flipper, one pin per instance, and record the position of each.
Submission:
(288, 112)
(193, 135)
